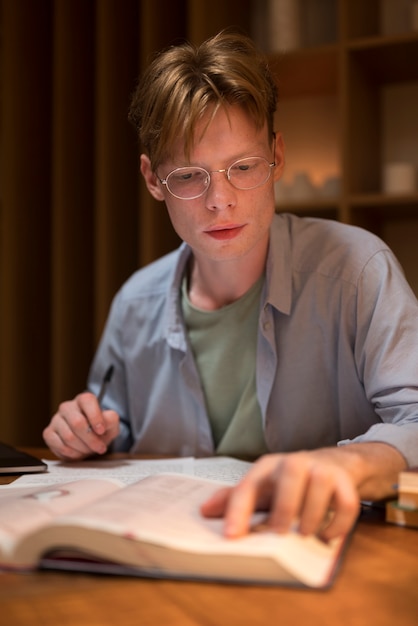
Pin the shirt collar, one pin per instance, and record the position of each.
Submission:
(278, 291)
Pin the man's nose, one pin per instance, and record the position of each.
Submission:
(221, 194)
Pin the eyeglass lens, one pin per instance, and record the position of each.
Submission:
(192, 182)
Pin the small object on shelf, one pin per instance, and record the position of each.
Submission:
(283, 25)
(281, 191)
(299, 189)
(399, 178)
(302, 187)
(318, 22)
(331, 187)
(395, 17)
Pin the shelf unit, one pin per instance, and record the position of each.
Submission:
(338, 102)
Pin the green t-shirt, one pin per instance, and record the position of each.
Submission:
(224, 343)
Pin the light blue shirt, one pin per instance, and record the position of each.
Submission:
(337, 348)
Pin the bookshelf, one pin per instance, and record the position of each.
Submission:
(348, 108)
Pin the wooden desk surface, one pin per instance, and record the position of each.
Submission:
(376, 586)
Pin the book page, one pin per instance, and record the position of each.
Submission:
(23, 510)
(223, 468)
(165, 510)
(129, 471)
(157, 505)
(126, 470)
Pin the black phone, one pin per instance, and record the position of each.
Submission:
(14, 461)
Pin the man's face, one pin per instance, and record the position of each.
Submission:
(224, 223)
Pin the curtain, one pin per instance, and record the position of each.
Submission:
(75, 218)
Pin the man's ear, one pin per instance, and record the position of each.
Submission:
(151, 179)
(279, 157)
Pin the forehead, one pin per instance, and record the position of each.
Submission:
(228, 132)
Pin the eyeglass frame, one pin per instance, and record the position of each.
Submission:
(226, 171)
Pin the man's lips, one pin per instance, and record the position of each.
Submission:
(223, 232)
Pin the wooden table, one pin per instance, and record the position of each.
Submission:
(376, 586)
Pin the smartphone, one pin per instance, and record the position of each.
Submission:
(13, 461)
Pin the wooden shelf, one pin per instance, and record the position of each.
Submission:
(374, 208)
(384, 200)
(335, 101)
(380, 41)
(387, 59)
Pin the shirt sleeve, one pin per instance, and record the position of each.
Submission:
(386, 353)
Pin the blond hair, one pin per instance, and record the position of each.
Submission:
(184, 82)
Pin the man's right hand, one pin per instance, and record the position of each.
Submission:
(80, 428)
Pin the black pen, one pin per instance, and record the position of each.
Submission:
(106, 380)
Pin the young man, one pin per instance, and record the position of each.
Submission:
(293, 340)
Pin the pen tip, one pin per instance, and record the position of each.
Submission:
(109, 374)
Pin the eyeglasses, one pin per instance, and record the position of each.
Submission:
(188, 183)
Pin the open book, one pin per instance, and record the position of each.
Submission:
(151, 528)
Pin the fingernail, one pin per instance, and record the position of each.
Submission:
(99, 429)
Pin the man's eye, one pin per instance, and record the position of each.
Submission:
(189, 176)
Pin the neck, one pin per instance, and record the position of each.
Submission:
(214, 284)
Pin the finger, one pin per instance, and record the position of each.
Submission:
(84, 419)
(322, 485)
(90, 408)
(54, 436)
(216, 505)
(331, 502)
(59, 447)
(239, 508)
(75, 434)
(316, 487)
(66, 444)
(346, 510)
(251, 493)
(72, 427)
(233, 503)
(112, 425)
(290, 488)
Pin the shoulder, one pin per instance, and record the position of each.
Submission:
(154, 279)
(327, 232)
(327, 247)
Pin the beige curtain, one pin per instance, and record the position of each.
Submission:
(75, 220)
